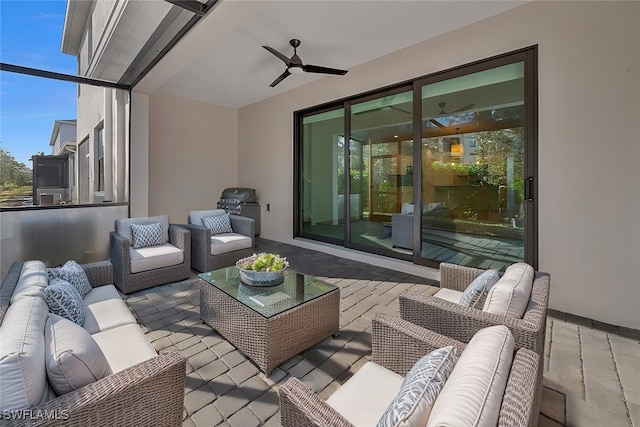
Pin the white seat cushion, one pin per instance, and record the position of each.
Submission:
(73, 359)
(229, 242)
(124, 347)
(472, 396)
(366, 395)
(33, 279)
(23, 377)
(449, 295)
(510, 295)
(105, 310)
(152, 257)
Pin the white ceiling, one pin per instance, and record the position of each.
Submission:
(221, 60)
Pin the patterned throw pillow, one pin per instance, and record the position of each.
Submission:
(218, 224)
(73, 273)
(145, 235)
(419, 389)
(64, 300)
(479, 287)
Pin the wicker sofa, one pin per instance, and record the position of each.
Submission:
(397, 345)
(461, 323)
(144, 388)
(134, 270)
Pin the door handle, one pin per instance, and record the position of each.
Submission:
(530, 189)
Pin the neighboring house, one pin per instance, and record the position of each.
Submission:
(102, 122)
(54, 175)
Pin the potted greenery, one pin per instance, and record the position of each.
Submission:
(263, 269)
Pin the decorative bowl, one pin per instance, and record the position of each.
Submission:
(261, 278)
(263, 269)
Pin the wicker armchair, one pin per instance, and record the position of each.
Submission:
(202, 258)
(397, 345)
(120, 253)
(461, 323)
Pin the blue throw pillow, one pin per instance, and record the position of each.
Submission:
(479, 287)
(64, 300)
(420, 388)
(145, 235)
(73, 273)
(218, 224)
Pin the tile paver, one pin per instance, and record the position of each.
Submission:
(590, 371)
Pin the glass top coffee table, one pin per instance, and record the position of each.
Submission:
(269, 324)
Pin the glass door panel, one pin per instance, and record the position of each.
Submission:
(380, 171)
(322, 176)
(473, 168)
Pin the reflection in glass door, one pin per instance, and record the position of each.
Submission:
(473, 168)
(381, 172)
(321, 176)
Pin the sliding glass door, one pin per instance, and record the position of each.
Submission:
(473, 170)
(440, 169)
(380, 169)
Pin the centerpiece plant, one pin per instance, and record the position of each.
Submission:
(263, 262)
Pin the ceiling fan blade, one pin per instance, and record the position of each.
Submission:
(280, 78)
(465, 108)
(323, 70)
(279, 55)
(437, 123)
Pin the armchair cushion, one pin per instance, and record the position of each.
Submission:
(229, 242)
(481, 285)
(145, 235)
(73, 273)
(510, 295)
(420, 389)
(218, 224)
(153, 257)
(123, 226)
(372, 387)
(449, 295)
(474, 391)
(73, 358)
(195, 217)
(64, 300)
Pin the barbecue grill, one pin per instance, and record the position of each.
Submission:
(241, 201)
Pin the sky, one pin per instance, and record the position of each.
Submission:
(30, 36)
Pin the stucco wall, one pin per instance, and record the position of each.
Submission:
(589, 105)
(193, 155)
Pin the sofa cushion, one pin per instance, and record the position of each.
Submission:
(123, 226)
(229, 242)
(124, 347)
(480, 286)
(64, 300)
(23, 377)
(73, 358)
(32, 281)
(152, 257)
(510, 295)
(105, 309)
(419, 390)
(145, 235)
(218, 224)
(73, 273)
(449, 295)
(472, 396)
(366, 395)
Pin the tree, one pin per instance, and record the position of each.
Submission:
(13, 174)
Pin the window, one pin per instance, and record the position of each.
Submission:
(441, 169)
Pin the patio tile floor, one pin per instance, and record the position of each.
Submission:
(590, 374)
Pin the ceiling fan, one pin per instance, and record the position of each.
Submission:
(295, 64)
(442, 112)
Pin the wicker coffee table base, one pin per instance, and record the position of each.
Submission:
(270, 341)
